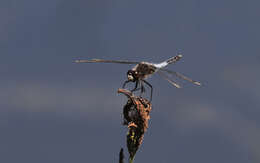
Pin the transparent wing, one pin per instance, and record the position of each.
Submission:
(104, 61)
(168, 79)
(180, 76)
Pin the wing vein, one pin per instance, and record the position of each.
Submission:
(104, 61)
(179, 75)
(168, 79)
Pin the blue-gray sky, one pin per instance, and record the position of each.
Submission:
(50, 109)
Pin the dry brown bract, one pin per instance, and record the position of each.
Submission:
(136, 116)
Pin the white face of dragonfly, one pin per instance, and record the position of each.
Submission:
(130, 77)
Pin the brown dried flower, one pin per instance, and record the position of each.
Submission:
(136, 116)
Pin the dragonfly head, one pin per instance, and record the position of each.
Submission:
(131, 75)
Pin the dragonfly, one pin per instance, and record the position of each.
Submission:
(142, 70)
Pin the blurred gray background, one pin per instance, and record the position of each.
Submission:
(53, 110)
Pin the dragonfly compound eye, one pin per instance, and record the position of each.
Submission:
(130, 75)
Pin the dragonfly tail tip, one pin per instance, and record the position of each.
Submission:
(179, 55)
(197, 83)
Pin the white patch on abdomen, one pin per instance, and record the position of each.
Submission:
(161, 65)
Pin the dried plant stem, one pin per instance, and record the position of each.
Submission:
(121, 156)
(131, 159)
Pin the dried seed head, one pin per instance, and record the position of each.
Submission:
(136, 117)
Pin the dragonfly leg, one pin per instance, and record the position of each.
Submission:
(125, 83)
(151, 89)
(142, 88)
(136, 85)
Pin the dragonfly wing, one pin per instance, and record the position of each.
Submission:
(104, 61)
(179, 75)
(168, 79)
